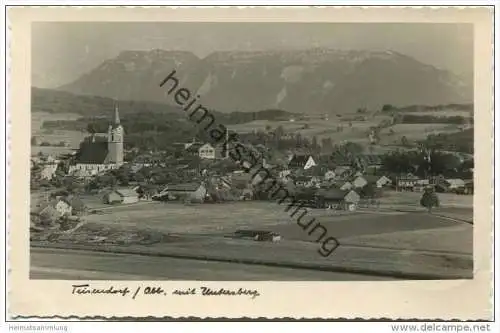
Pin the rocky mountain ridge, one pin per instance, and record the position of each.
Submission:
(307, 81)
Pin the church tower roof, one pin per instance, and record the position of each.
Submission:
(116, 117)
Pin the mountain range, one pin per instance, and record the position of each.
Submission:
(307, 81)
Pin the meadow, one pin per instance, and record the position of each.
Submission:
(353, 131)
(226, 217)
(72, 138)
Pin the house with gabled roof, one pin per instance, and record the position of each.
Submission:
(194, 191)
(343, 185)
(378, 181)
(339, 199)
(53, 209)
(122, 196)
(301, 162)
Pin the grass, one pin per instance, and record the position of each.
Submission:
(179, 218)
(200, 232)
(440, 113)
(230, 216)
(73, 138)
(358, 132)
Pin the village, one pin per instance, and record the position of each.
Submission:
(99, 183)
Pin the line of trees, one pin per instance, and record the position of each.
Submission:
(428, 119)
(416, 162)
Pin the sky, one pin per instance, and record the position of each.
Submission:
(63, 51)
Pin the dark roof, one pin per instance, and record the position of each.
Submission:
(371, 178)
(299, 160)
(194, 147)
(187, 187)
(92, 152)
(340, 183)
(332, 193)
(315, 171)
(126, 192)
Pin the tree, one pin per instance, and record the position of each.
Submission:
(299, 140)
(404, 141)
(314, 143)
(91, 128)
(443, 163)
(279, 131)
(368, 191)
(387, 107)
(429, 199)
(327, 143)
(353, 148)
(34, 140)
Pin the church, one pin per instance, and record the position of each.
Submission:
(100, 151)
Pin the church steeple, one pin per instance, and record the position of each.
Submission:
(116, 117)
(115, 139)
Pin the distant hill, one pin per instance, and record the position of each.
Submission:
(54, 101)
(308, 82)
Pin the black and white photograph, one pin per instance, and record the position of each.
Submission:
(251, 151)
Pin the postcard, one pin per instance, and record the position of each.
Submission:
(250, 162)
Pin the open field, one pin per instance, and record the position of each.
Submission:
(75, 265)
(439, 113)
(180, 218)
(377, 242)
(354, 131)
(412, 199)
(228, 217)
(72, 138)
(389, 256)
(414, 132)
(37, 118)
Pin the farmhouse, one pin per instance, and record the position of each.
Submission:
(124, 196)
(359, 182)
(301, 162)
(343, 185)
(336, 198)
(203, 150)
(190, 191)
(409, 182)
(53, 209)
(302, 181)
(377, 181)
(314, 171)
